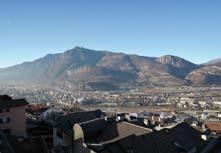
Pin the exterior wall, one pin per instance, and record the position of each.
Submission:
(78, 132)
(56, 140)
(66, 140)
(17, 122)
(79, 148)
(78, 140)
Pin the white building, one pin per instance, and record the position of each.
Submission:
(217, 104)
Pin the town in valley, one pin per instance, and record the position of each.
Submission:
(53, 120)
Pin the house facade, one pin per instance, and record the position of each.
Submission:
(12, 116)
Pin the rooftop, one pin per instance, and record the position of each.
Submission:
(175, 140)
(214, 126)
(67, 122)
(104, 131)
(8, 102)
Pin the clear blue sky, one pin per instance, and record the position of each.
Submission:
(30, 29)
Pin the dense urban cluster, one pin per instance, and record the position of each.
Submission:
(184, 97)
(74, 124)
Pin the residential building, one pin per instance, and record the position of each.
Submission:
(94, 135)
(107, 136)
(63, 133)
(217, 104)
(12, 115)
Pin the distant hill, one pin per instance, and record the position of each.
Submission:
(215, 61)
(179, 67)
(210, 74)
(96, 70)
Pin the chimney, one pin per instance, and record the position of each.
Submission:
(204, 137)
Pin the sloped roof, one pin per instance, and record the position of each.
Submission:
(5, 97)
(104, 131)
(66, 122)
(187, 137)
(213, 146)
(12, 103)
(180, 138)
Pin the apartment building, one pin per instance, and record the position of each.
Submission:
(12, 115)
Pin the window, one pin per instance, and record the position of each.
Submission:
(7, 131)
(130, 151)
(3, 110)
(4, 120)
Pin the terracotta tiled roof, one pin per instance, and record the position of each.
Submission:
(214, 126)
(5, 146)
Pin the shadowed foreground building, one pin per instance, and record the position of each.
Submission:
(104, 131)
(12, 115)
(108, 136)
(94, 132)
(63, 134)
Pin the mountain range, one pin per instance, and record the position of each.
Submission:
(85, 68)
